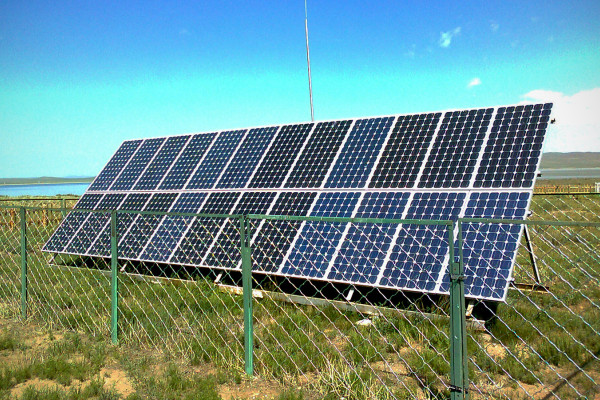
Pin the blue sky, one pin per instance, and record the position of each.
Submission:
(77, 78)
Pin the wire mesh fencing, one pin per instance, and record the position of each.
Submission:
(543, 342)
(359, 341)
(176, 306)
(566, 207)
(332, 339)
(10, 266)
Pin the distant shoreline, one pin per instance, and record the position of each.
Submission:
(44, 183)
(44, 180)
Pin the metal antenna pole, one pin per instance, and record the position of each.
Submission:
(312, 112)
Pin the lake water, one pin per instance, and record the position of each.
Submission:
(43, 190)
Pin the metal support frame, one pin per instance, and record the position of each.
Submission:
(532, 258)
(114, 268)
(350, 294)
(459, 377)
(537, 285)
(23, 216)
(247, 294)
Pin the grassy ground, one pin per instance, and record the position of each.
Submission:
(566, 182)
(185, 339)
(42, 363)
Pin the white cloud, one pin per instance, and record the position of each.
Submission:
(446, 37)
(474, 82)
(577, 126)
(494, 26)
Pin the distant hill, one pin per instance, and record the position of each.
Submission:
(44, 179)
(570, 160)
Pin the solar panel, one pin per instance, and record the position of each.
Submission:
(211, 166)
(315, 159)
(132, 243)
(132, 202)
(71, 224)
(513, 150)
(489, 249)
(172, 227)
(437, 166)
(281, 155)
(420, 250)
(313, 251)
(405, 151)
(242, 166)
(366, 245)
(114, 166)
(225, 251)
(359, 153)
(456, 147)
(161, 163)
(203, 230)
(273, 240)
(138, 163)
(186, 163)
(94, 223)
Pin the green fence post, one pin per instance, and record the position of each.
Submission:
(459, 381)
(114, 268)
(247, 289)
(63, 207)
(23, 216)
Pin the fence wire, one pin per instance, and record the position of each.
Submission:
(310, 335)
(330, 339)
(544, 341)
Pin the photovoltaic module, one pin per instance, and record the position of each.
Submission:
(435, 166)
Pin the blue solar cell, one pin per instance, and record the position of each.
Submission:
(195, 173)
(405, 151)
(317, 241)
(312, 165)
(203, 230)
(366, 244)
(136, 165)
(172, 228)
(225, 251)
(420, 250)
(242, 166)
(94, 224)
(456, 149)
(514, 147)
(275, 165)
(359, 153)
(71, 223)
(216, 158)
(276, 236)
(134, 241)
(161, 163)
(108, 174)
(132, 202)
(187, 161)
(489, 249)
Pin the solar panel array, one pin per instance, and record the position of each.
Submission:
(439, 166)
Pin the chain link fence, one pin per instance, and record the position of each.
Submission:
(332, 340)
(544, 341)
